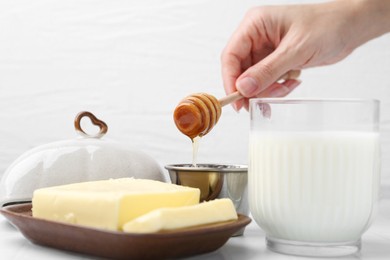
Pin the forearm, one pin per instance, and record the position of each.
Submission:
(372, 18)
(272, 40)
(379, 12)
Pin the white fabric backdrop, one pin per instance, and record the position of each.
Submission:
(130, 63)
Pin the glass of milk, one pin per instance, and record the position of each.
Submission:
(314, 172)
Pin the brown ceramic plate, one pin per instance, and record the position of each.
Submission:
(120, 245)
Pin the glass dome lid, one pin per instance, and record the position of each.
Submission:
(86, 158)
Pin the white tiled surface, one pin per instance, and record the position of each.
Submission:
(251, 246)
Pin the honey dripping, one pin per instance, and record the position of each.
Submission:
(195, 116)
(195, 149)
(198, 113)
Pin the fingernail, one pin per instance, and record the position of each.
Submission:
(284, 89)
(295, 84)
(279, 92)
(247, 86)
(237, 105)
(234, 105)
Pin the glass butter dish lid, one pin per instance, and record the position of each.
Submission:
(86, 158)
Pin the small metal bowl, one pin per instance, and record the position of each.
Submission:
(215, 181)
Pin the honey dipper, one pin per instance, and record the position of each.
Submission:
(198, 113)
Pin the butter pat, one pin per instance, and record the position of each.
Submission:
(109, 204)
(188, 216)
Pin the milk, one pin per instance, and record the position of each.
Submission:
(314, 186)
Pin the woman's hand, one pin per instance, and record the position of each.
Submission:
(273, 40)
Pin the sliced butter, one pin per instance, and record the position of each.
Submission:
(109, 204)
(188, 216)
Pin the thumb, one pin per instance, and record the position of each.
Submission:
(267, 71)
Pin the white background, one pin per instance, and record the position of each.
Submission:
(131, 62)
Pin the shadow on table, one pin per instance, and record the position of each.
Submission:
(6, 226)
(375, 250)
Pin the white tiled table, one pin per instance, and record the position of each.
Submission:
(376, 244)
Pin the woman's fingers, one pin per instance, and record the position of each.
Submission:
(276, 90)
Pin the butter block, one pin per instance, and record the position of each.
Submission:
(109, 204)
(187, 216)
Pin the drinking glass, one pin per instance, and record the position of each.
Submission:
(313, 173)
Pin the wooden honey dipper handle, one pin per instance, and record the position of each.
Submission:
(233, 97)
